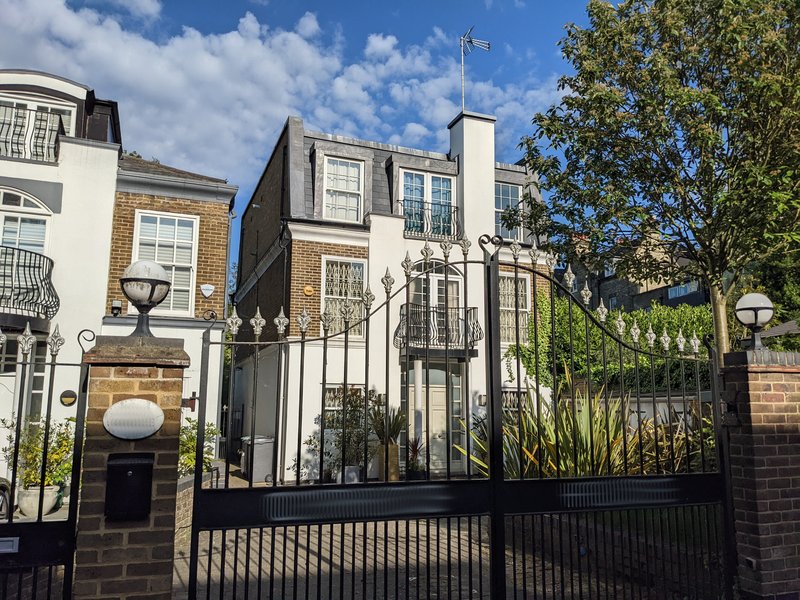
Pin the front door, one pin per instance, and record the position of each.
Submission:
(436, 399)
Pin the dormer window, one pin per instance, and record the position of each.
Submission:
(428, 206)
(343, 189)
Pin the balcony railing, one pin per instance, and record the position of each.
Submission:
(431, 220)
(26, 286)
(436, 327)
(30, 134)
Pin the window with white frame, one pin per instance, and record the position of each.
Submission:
(343, 189)
(343, 282)
(427, 202)
(514, 309)
(24, 221)
(171, 241)
(506, 196)
(684, 289)
(29, 125)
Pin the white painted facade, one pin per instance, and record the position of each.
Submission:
(472, 150)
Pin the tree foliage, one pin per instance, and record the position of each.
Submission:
(675, 150)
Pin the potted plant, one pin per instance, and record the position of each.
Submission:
(347, 432)
(57, 467)
(387, 428)
(415, 469)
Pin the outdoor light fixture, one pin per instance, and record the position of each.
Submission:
(145, 284)
(754, 311)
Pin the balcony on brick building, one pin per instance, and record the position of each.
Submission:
(27, 293)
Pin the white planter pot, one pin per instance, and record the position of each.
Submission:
(28, 500)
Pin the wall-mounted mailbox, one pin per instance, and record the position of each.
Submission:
(129, 486)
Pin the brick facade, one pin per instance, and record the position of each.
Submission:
(129, 559)
(212, 241)
(306, 270)
(765, 471)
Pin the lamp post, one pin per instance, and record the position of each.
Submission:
(754, 311)
(145, 284)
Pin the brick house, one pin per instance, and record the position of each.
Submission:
(329, 215)
(622, 292)
(74, 213)
(182, 221)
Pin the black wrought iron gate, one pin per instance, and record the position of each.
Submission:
(42, 444)
(568, 461)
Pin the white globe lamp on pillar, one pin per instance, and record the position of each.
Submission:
(754, 310)
(145, 284)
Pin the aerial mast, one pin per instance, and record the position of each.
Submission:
(468, 44)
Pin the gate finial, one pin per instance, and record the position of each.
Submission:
(602, 311)
(303, 320)
(695, 342)
(387, 281)
(26, 340)
(635, 332)
(367, 298)
(515, 250)
(620, 324)
(408, 265)
(650, 336)
(233, 322)
(586, 293)
(427, 252)
(680, 341)
(465, 246)
(665, 340)
(55, 341)
(569, 278)
(446, 247)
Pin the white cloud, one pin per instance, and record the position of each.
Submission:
(142, 9)
(380, 46)
(308, 26)
(214, 103)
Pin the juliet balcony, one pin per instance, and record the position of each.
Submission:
(437, 330)
(27, 293)
(431, 220)
(29, 134)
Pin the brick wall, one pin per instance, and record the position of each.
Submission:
(183, 512)
(765, 471)
(129, 559)
(306, 270)
(212, 239)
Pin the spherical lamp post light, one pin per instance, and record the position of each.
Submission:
(754, 311)
(145, 284)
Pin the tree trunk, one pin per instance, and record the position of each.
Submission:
(719, 310)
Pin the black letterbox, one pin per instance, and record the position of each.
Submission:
(129, 486)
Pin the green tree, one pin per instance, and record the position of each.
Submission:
(675, 150)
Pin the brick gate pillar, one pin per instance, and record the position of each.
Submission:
(764, 388)
(126, 559)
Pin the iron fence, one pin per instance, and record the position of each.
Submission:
(546, 461)
(29, 133)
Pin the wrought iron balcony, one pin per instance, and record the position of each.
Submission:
(26, 286)
(431, 220)
(29, 134)
(436, 328)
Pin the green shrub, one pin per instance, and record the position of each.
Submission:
(188, 447)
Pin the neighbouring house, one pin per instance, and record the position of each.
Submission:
(75, 211)
(329, 215)
(622, 292)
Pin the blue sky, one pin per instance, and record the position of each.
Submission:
(206, 85)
